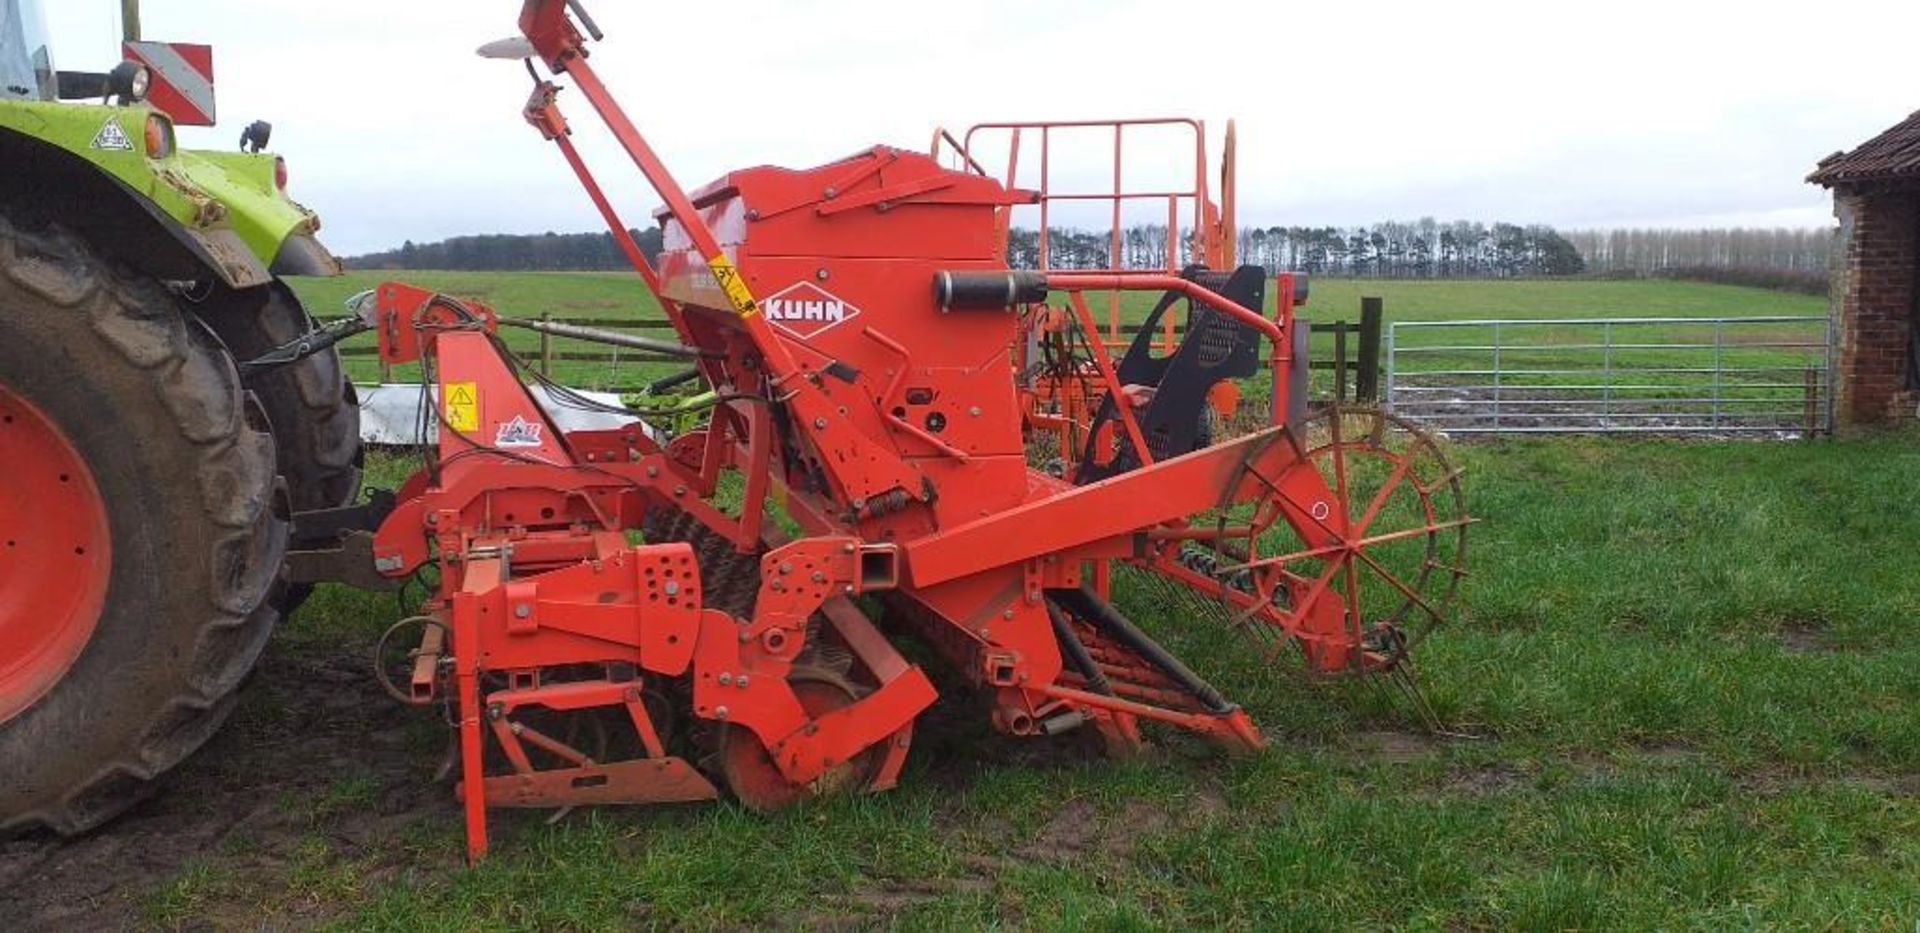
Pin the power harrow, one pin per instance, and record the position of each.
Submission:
(613, 617)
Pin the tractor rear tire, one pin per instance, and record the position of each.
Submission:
(144, 399)
(311, 404)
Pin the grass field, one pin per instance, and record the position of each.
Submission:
(605, 295)
(622, 296)
(1691, 668)
(614, 294)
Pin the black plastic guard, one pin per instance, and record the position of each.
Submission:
(1214, 347)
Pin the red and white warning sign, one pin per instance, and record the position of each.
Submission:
(805, 310)
(182, 76)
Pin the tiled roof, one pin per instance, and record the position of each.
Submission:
(1891, 156)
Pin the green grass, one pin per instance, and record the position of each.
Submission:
(613, 295)
(1691, 665)
(600, 295)
(1551, 298)
(522, 294)
(621, 295)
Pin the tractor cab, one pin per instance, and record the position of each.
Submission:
(178, 77)
(26, 58)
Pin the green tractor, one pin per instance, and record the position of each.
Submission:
(145, 482)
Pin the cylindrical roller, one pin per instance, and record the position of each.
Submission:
(988, 291)
(1087, 605)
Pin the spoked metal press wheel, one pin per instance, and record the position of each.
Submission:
(1388, 573)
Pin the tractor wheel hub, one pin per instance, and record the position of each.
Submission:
(55, 554)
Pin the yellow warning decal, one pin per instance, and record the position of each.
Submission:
(463, 407)
(725, 273)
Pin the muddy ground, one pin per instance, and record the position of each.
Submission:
(1468, 412)
(316, 757)
(321, 789)
(322, 792)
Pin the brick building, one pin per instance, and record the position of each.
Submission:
(1876, 196)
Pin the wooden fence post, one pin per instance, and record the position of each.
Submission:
(1339, 362)
(546, 346)
(1367, 383)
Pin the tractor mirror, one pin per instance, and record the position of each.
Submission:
(256, 136)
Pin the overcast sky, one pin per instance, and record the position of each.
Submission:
(1623, 113)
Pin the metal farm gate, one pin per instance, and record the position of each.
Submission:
(1767, 376)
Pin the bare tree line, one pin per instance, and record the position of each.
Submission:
(549, 252)
(1425, 248)
(1656, 251)
(1390, 249)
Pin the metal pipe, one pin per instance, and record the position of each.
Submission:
(1100, 281)
(1418, 404)
(1496, 374)
(586, 20)
(610, 337)
(1662, 370)
(1551, 350)
(1075, 651)
(1607, 364)
(1652, 429)
(1740, 388)
(1719, 343)
(1643, 415)
(1557, 387)
(1763, 319)
(1833, 345)
(668, 384)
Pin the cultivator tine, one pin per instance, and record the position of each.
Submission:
(1400, 685)
(1377, 437)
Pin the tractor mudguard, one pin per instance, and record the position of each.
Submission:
(278, 230)
(89, 165)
